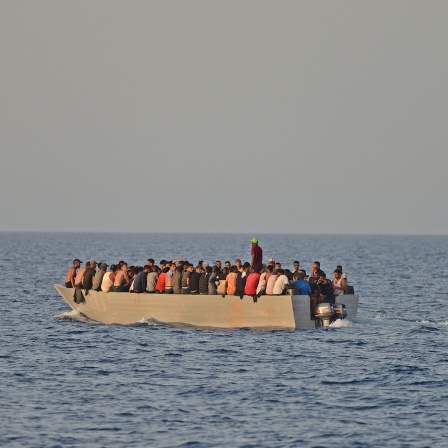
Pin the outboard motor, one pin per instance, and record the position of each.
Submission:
(323, 314)
(339, 311)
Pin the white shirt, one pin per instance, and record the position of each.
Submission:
(280, 284)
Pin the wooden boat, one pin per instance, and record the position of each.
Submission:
(289, 312)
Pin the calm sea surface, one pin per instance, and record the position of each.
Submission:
(381, 380)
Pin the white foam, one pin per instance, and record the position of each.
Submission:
(149, 321)
(341, 323)
(74, 315)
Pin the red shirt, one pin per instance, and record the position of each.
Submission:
(251, 284)
(160, 285)
(258, 258)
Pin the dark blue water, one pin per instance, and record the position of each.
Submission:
(379, 380)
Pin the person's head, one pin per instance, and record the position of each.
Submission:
(163, 263)
(296, 265)
(270, 268)
(150, 262)
(280, 271)
(254, 241)
(113, 268)
(316, 265)
(130, 273)
(103, 266)
(225, 270)
(190, 268)
(316, 274)
(339, 267)
(311, 281)
(124, 267)
(216, 270)
(218, 264)
(173, 266)
(258, 269)
(166, 269)
(77, 263)
(278, 265)
(198, 269)
(337, 274)
(246, 266)
(93, 264)
(233, 269)
(322, 277)
(271, 262)
(208, 269)
(179, 269)
(238, 263)
(146, 268)
(296, 275)
(227, 265)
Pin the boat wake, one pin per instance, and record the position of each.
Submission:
(75, 316)
(341, 323)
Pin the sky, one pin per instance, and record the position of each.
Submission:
(245, 116)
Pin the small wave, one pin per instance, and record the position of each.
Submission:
(74, 316)
(341, 323)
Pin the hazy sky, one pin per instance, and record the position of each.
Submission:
(224, 116)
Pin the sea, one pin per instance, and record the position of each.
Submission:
(378, 380)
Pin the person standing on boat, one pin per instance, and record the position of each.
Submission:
(256, 253)
(71, 273)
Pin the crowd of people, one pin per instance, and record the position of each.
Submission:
(182, 277)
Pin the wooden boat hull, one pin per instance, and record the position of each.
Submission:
(277, 312)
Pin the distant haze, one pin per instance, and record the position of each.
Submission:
(224, 116)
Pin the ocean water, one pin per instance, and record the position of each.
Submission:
(379, 380)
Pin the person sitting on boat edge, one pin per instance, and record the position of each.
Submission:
(300, 283)
(205, 276)
(80, 275)
(71, 273)
(99, 277)
(250, 289)
(89, 276)
(194, 280)
(326, 289)
(176, 280)
(339, 283)
(241, 280)
(108, 279)
(280, 284)
(213, 280)
(231, 280)
(122, 282)
(160, 285)
(188, 269)
(139, 285)
(151, 280)
(261, 287)
(271, 277)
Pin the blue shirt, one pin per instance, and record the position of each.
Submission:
(304, 287)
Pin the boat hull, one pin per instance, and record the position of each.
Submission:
(276, 312)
